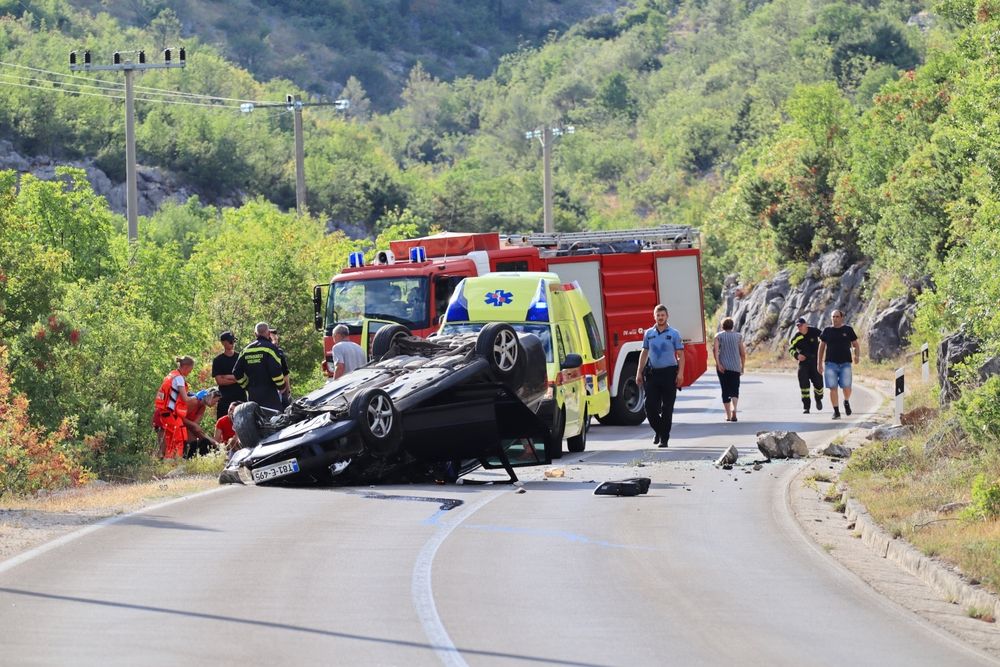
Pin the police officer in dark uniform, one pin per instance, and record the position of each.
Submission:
(804, 346)
(259, 370)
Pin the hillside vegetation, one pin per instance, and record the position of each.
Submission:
(781, 129)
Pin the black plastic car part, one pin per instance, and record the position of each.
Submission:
(624, 487)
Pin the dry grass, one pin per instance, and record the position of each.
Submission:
(904, 490)
(112, 498)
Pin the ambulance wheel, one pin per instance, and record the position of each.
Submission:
(385, 338)
(498, 344)
(628, 408)
(578, 443)
(378, 422)
(247, 422)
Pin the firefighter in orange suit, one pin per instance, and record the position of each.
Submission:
(171, 406)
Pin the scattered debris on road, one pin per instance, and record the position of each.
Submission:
(730, 456)
(624, 487)
(781, 445)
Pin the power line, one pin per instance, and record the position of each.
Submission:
(120, 86)
(67, 91)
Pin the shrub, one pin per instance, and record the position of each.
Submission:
(979, 412)
(118, 443)
(32, 460)
(881, 456)
(985, 503)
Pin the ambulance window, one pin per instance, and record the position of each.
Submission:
(596, 349)
(520, 265)
(560, 345)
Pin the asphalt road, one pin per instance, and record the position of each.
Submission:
(707, 569)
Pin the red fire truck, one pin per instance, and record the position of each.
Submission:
(624, 274)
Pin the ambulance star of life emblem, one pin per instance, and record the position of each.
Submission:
(499, 298)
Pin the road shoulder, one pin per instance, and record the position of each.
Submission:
(842, 529)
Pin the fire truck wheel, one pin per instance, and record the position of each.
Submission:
(628, 408)
(498, 344)
(578, 443)
(247, 422)
(378, 422)
(384, 339)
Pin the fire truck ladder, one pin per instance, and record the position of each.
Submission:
(668, 237)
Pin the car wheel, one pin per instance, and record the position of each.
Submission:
(498, 344)
(385, 338)
(628, 408)
(247, 421)
(554, 446)
(578, 443)
(378, 422)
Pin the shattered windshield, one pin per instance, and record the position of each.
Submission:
(540, 330)
(401, 299)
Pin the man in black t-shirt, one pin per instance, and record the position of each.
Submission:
(222, 370)
(838, 342)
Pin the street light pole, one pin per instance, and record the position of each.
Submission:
(546, 136)
(122, 64)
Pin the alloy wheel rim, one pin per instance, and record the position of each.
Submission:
(505, 350)
(380, 416)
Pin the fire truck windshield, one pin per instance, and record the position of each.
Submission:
(540, 330)
(401, 299)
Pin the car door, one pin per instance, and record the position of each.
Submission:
(570, 383)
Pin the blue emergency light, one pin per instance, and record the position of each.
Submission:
(356, 260)
(458, 307)
(538, 311)
(418, 254)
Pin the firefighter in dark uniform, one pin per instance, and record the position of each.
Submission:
(804, 346)
(259, 371)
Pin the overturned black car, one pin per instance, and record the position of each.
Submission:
(425, 409)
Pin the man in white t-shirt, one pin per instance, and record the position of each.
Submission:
(346, 354)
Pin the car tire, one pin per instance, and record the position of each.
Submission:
(628, 408)
(578, 443)
(247, 422)
(558, 433)
(498, 344)
(385, 338)
(378, 422)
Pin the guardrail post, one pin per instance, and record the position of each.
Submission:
(900, 390)
(925, 363)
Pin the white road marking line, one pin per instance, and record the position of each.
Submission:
(86, 530)
(422, 589)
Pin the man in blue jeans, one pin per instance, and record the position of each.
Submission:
(837, 343)
(661, 369)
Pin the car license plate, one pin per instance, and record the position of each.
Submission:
(276, 470)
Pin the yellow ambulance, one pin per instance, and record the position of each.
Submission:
(538, 303)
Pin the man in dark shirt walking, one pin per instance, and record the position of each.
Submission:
(258, 370)
(804, 346)
(222, 370)
(837, 343)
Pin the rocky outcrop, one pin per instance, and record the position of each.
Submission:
(154, 185)
(954, 350)
(766, 314)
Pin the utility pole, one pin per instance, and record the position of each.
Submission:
(546, 135)
(122, 64)
(293, 104)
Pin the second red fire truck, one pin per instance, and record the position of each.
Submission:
(624, 274)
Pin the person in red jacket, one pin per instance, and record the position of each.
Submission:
(171, 406)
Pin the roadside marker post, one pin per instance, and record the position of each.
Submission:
(925, 363)
(900, 390)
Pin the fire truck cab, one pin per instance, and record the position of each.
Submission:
(624, 275)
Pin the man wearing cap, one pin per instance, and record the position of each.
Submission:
(222, 370)
(804, 346)
(258, 370)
